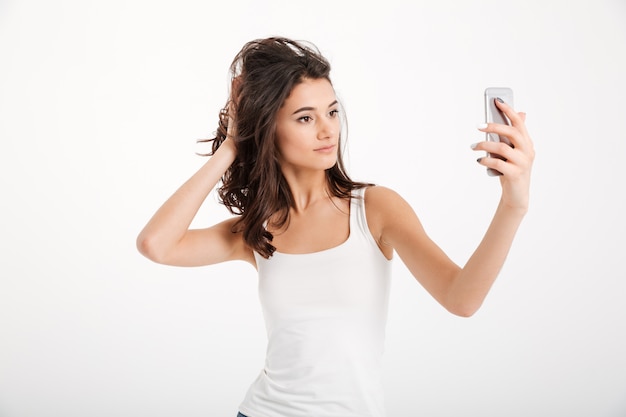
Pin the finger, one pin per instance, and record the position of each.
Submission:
(499, 148)
(513, 134)
(500, 129)
(231, 130)
(508, 110)
(517, 120)
(522, 161)
(235, 87)
(236, 81)
(497, 164)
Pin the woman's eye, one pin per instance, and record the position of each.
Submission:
(305, 119)
(334, 113)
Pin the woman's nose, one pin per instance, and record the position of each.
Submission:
(327, 128)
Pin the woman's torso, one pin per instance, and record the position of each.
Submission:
(325, 313)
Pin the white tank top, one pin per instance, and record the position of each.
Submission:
(325, 315)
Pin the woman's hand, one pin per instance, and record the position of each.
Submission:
(228, 122)
(516, 167)
(231, 130)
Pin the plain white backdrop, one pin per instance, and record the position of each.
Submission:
(100, 107)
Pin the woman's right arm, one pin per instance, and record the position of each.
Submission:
(167, 239)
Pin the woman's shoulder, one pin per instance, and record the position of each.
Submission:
(391, 219)
(381, 210)
(379, 197)
(383, 204)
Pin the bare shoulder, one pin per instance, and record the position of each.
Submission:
(382, 201)
(376, 193)
(384, 209)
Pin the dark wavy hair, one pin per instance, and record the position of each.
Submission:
(265, 72)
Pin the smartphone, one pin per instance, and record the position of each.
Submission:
(494, 115)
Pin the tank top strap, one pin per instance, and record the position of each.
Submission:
(358, 219)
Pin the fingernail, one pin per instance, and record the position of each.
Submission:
(499, 99)
(479, 159)
(473, 145)
(481, 126)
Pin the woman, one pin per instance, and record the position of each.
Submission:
(321, 243)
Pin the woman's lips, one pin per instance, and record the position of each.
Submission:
(326, 149)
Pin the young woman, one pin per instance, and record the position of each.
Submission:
(321, 243)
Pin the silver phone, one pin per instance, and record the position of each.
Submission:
(494, 115)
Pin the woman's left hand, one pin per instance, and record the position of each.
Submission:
(515, 178)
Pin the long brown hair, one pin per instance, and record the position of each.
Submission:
(266, 70)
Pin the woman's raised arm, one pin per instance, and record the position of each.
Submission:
(461, 290)
(167, 239)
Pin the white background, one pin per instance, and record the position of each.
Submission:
(100, 107)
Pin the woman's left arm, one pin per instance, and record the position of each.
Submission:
(472, 283)
(462, 290)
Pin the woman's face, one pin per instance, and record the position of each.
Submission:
(308, 126)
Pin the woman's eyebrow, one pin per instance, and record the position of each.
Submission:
(308, 108)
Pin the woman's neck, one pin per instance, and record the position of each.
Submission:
(307, 188)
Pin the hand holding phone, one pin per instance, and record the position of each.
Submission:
(494, 115)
